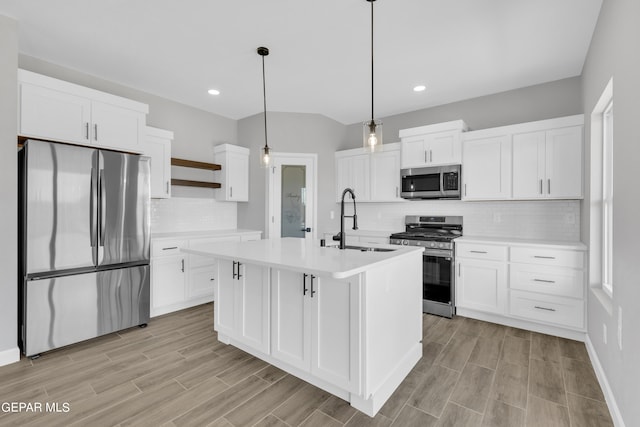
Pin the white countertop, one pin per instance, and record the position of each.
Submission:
(202, 233)
(555, 244)
(303, 255)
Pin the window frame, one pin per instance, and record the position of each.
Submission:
(607, 198)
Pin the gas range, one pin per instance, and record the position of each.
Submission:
(435, 232)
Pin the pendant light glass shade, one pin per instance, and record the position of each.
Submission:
(372, 129)
(265, 154)
(372, 135)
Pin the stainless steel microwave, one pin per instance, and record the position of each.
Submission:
(435, 182)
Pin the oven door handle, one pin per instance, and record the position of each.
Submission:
(439, 253)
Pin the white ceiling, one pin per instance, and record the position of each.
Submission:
(320, 52)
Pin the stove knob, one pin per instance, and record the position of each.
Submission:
(441, 245)
(433, 244)
(405, 242)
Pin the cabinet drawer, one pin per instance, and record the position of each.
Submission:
(560, 281)
(166, 247)
(480, 251)
(557, 257)
(546, 308)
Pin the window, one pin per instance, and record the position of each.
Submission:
(607, 198)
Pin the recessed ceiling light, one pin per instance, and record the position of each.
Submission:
(213, 92)
(419, 88)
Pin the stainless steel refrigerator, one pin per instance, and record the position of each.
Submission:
(84, 244)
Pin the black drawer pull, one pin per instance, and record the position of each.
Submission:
(544, 308)
(544, 281)
(234, 270)
(478, 252)
(304, 284)
(168, 249)
(239, 275)
(544, 257)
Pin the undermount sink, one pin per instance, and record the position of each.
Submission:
(368, 248)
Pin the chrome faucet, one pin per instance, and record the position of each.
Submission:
(343, 216)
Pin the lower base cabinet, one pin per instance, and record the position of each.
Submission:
(481, 285)
(311, 324)
(242, 311)
(168, 277)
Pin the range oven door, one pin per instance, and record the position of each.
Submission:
(438, 287)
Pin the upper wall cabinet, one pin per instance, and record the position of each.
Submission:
(432, 145)
(234, 176)
(56, 110)
(374, 177)
(157, 146)
(548, 164)
(536, 160)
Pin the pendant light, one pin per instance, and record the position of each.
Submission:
(265, 155)
(372, 129)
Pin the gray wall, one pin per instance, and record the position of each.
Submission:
(614, 52)
(539, 102)
(8, 185)
(290, 133)
(196, 132)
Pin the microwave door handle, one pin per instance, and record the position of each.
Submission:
(442, 191)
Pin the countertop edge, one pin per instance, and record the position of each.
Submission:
(203, 233)
(556, 244)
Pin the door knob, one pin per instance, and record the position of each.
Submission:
(307, 230)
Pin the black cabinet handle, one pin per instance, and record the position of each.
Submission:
(183, 265)
(312, 291)
(234, 270)
(239, 275)
(304, 283)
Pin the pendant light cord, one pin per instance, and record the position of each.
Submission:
(264, 97)
(372, 62)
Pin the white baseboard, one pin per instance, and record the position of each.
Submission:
(9, 356)
(604, 384)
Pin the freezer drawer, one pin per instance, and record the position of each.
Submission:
(65, 310)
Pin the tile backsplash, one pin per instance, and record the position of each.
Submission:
(192, 214)
(549, 219)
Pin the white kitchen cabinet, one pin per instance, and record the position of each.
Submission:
(242, 308)
(486, 161)
(311, 323)
(61, 111)
(385, 176)
(481, 285)
(234, 175)
(157, 146)
(432, 145)
(353, 171)
(374, 177)
(169, 281)
(548, 164)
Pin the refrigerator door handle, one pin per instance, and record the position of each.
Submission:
(92, 209)
(103, 208)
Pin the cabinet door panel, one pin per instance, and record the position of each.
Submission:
(291, 317)
(564, 162)
(444, 148)
(385, 176)
(331, 334)
(55, 115)
(159, 150)
(487, 171)
(238, 177)
(201, 282)
(116, 126)
(168, 281)
(254, 306)
(225, 319)
(481, 285)
(413, 152)
(528, 165)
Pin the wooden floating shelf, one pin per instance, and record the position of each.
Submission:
(188, 183)
(194, 164)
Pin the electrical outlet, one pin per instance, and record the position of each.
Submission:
(604, 333)
(497, 217)
(620, 327)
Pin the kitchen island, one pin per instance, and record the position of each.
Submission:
(347, 321)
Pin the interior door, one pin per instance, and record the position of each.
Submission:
(124, 208)
(292, 193)
(60, 221)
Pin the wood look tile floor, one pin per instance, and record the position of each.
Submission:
(176, 373)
